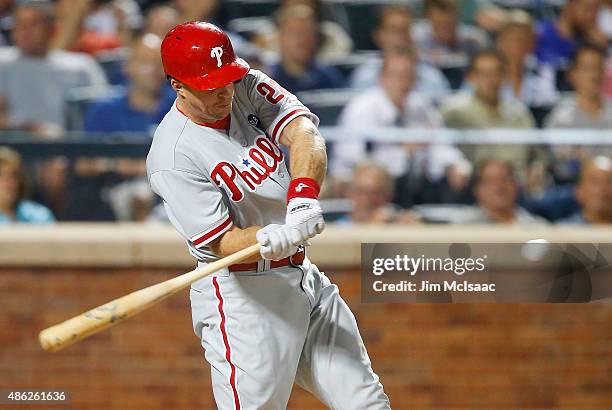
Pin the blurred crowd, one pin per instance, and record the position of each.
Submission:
(91, 68)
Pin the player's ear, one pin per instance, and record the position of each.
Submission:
(177, 86)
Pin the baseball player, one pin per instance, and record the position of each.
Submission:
(216, 162)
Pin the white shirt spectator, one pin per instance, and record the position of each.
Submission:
(37, 89)
(567, 114)
(373, 108)
(538, 86)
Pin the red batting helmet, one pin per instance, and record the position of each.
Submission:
(201, 55)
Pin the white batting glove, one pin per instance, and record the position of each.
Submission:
(304, 218)
(276, 242)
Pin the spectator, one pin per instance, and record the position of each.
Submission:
(496, 192)
(147, 98)
(13, 205)
(192, 10)
(6, 14)
(588, 107)
(487, 15)
(161, 19)
(114, 16)
(92, 26)
(594, 193)
(485, 108)
(576, 24)
(336, 44)
(607, 88)
(556, 203)
(605, 19)
(392, 103)
(442, 39)
(452, 188)
(392, 34)
(526, 80)
(35, 81)
(139, 109)
(371, 192)
(300, 36)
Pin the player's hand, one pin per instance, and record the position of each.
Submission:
(304, 218)
(276, 242)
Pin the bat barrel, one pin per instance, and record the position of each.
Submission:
(64, 334)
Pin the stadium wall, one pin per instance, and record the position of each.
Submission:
(428, 355)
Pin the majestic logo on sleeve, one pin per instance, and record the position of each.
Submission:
(300, 186)
(217, 52)
(265, 159)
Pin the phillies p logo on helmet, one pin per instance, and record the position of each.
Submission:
(217, 52)
(193, 50)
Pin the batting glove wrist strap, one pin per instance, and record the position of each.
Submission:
(303, 188)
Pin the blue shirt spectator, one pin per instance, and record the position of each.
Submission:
(299, 41)
(147, 97)
(28, 212)
(13, 206)
(316, 77)
(576, 24)
(556, 204)
(116, 114)
(552, 47)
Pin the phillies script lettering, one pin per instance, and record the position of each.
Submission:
(266, 157)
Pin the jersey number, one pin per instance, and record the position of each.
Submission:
(270, 93)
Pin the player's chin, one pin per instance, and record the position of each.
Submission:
(223, 110)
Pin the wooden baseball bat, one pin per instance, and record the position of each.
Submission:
(79, 327)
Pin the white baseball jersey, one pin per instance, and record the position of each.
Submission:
(211, 179)
(262, 330)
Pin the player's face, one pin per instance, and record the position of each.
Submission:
(496, 189)
(210, 105)
(9, 185)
